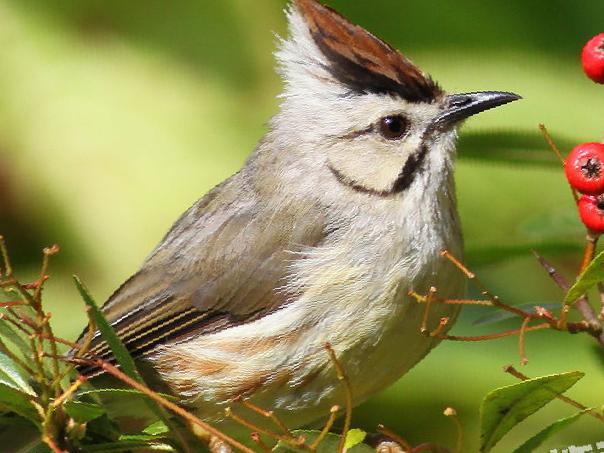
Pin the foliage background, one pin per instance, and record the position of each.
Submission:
(116, 116)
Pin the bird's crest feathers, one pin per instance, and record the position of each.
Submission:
(360, 60)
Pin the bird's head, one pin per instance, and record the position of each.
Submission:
(374, 118)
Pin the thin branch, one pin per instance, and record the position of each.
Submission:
(436, 333)
(8, 268)
(495, 336)
(429, 300)
(558, 278)
(348, 392)
(115, 372)
(601, 291)
(333, 413)
(556, 150)
(522, 342)
(290, 440)
(266, 414)
(452, 414)
(484, 290)
(395, 437)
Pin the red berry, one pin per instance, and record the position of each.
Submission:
(592, 58)
(591, 210)
(584, 168)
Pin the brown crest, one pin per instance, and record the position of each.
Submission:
(362, 61)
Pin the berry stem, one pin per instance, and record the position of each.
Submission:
(556, 150)
(590, 250)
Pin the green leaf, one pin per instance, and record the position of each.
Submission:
(119, 351)
(12, 375)
(328, 445)
(83, 412)
(593, 274)
(128, 445)
(498, 315)
(156, 429)
(535, 442)
(354, 437)
(505, 407)
(119, 393)
(16, 401)
(9, 333)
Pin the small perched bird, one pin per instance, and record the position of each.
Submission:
(343, 208)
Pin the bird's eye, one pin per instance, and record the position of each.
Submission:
(393, 127)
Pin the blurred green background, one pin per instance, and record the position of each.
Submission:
(116, 116)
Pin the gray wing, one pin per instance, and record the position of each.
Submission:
(221, 264)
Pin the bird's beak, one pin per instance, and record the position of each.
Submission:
(462, 106)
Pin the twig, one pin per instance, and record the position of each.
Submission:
(267, 414)
(560, 281)
(395, 437)
(591, 241)
(556, 150)
(521, 341)
(348, 392)
(601, 291)
(517, 374)
(296, 442)
(484, 290)
(440, 328)
(582, 304)
(429, 300)
(8, 268)
(452, 414)
(69, 392)
(328, 425)
(495, 336)
(486, 303)
(52, 444)
(115, 372)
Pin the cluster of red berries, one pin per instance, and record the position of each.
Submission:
(584, 166)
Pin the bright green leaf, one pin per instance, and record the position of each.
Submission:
(118, 349)
(12, 375)
(328, 445)
(505, 407)
(587, 280)
(123, 393)
(354, 437)
(535, 442)
(9, 333)
(16, 401)
(83, 412)
(156, 429)
(128, 445)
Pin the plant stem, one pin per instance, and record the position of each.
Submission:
(165, 403)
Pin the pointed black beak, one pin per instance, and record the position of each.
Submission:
(462, 106)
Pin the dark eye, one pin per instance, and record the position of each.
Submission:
(393, 127)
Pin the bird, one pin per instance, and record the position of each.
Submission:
(343, 208)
